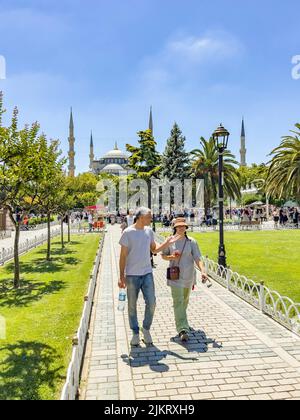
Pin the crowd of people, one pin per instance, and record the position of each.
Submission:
(286, 216)
(281, 216)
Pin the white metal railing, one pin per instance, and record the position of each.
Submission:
(230, 227)
(71, 387)
(85, 229)
(42, 225)
(7, 254)
(280, 308)
(5, 234)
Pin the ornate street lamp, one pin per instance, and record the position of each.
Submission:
(221, 136)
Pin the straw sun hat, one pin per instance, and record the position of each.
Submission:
(180, 221)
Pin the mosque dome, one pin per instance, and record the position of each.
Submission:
(113, 167)
(115, 154)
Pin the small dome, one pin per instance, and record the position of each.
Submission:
(112, 167)
(116, 154)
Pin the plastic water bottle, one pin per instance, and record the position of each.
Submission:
(122, 300)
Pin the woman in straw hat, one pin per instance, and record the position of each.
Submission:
(184, 253)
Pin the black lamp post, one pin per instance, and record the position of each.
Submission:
(154, 224)
(221, 136)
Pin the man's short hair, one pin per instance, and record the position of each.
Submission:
(142, 211)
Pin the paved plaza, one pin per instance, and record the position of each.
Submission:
(234, 353)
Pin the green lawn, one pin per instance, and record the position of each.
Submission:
(269, 256)
(42, 318)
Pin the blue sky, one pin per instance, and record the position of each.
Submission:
(197, 62)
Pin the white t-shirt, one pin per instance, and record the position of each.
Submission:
(138, 242)
(129, 220)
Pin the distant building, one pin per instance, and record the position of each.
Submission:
(114, 162)
(243, 150)
(71, 153)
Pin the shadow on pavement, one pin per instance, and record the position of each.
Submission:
(151, 356)
(198, 342)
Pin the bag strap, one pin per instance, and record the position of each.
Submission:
(182, 251)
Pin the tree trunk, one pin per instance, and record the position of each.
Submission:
(69, 228)
(49, 238)
(16, 251)
(62, 233)
(16, 258)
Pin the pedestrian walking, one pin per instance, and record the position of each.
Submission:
(183, 255)
(136, 272)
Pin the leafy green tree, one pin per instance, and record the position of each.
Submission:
(22, 162)
(284, 173)
(145, 160)
(205, 166)
(175, 160)
(84, 189)
(49, 189)
(249, 174)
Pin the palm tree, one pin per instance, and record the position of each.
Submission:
(283, 179)
(205, 165)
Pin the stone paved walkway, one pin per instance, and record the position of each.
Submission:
(235, 352)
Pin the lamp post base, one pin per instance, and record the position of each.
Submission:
(222, 256)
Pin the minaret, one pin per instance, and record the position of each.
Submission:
(151, 121)
(71, 147)
(243, 150)
(92, 156)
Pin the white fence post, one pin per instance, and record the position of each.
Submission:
(228, 276)
(262, 297)
(206, 264)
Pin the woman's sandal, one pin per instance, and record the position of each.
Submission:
(184, 336)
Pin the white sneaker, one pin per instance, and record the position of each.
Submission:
(147, 337)
(135, 341)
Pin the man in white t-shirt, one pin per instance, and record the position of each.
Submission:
(136, 271)
(130, 218)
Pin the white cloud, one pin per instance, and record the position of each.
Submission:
(186, 57)
(200, 48)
